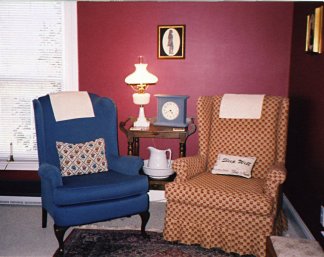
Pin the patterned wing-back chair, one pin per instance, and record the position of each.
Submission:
(233, 213)
(83, 178)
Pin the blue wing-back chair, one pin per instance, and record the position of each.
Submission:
(83, 199)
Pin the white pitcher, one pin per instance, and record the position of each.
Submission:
(158, 158)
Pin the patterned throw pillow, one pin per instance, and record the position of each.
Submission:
(234, 165)
(82, 158)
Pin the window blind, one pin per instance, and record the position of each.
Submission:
(38, 55)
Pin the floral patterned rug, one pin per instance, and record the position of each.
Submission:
(124, 243)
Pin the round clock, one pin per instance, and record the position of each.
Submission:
(170, 110)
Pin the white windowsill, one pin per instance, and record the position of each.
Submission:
(18, 165)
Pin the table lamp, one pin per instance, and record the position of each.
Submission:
(139, 80)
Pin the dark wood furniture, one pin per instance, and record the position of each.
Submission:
(133, 136)
(133, 139)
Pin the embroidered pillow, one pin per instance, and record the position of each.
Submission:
(234, 165)
(82, 158)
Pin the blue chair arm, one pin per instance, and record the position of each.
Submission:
(50, 173)
(129, 165)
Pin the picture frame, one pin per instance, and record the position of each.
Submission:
(171, 41)
(314, 28)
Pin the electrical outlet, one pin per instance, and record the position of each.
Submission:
(322, 215)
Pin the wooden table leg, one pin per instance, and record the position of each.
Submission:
(136, 146)
(130, 148)
(182, 150)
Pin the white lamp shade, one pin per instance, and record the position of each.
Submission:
(141, 76)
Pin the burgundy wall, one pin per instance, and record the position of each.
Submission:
(230, 48)
(305, 183)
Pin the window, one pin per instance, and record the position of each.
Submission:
(38, 55)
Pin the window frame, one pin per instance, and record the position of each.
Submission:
(70, 79)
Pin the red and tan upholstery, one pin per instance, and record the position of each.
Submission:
(232, 213)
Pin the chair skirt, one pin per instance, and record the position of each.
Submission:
(231, 231)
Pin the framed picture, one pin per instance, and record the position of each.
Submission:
(171, 41)
(314, 31)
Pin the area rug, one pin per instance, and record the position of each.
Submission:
(130, 243)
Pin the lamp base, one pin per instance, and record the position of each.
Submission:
(141, 121)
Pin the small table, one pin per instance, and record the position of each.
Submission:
(133, 136)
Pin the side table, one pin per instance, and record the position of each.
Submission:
(133, 137)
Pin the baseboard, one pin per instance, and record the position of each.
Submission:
(300, 223)
(157, 196)
(20, 200)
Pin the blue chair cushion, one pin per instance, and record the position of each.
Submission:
(98, 187)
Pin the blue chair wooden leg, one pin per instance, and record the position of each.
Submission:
(44, 218)
(59, 233)
(145, 216)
